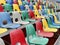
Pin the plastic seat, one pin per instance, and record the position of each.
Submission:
(37, 15)
(1, 8)
(40, 30)
(31, 14)
(31, 7)
(45, 12)
(3, 30)
(46, 26)
(32, 38)
(22, 7)
(1, 42)
(17, 36)
(56, 20)
(40, 7)
(50, 23)
(26, 7)
(9, 2)
(15, 1)
(25, 17)
(16, 7)
(24, 3)
(43, 6)
(52, 19)
(19, 2)
(8, 8)
(17, 18)
(2, 2)
(5, 21)
(35, 8)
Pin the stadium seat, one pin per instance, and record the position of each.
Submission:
(47, 28)
(17, 18)
(5, 21)
(32, 38)
(16, 7)
(41, 32)
(17, 37)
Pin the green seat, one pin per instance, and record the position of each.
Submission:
(50, 23)
(25, 17)
(24, 3)
(7, 7)
(32, 38)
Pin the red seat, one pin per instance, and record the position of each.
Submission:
(1, 8)
(17, 36)
(28, 0)
(15, 1)
(31, 14)
(40, 30)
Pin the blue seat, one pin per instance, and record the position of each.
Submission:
(52, 19)
(22, 7)
(44, 12)
(43, 7)
(5, 21)
(51, 25)
(31, 7)
(9, 1)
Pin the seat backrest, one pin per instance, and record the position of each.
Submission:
(30, 31)
(43, 6)
(2, 2)
(20, 2)
(1, 8)
(26, 7)
(31, 14)
(49, 20)
(8, 7)
(45, 24)
(9, 1)
(17, 36)
(22, 7)
(36, 13)
(55, 18)
(52, 18)
(39, 26)
(16, 17)
(1, 42)
(5, 17)
(35, 8)
(31, 7)
(40, 7)
(15, 1)
(52, 11)
(24, 15)
(44, 12)
(16, 7)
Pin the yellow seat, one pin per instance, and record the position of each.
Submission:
(46, 27)
(2, 30)
(19, 2)
(49, 11)
(37, 15)
(16, 7)
(35, 8)
(56, 20)
(3, 2)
